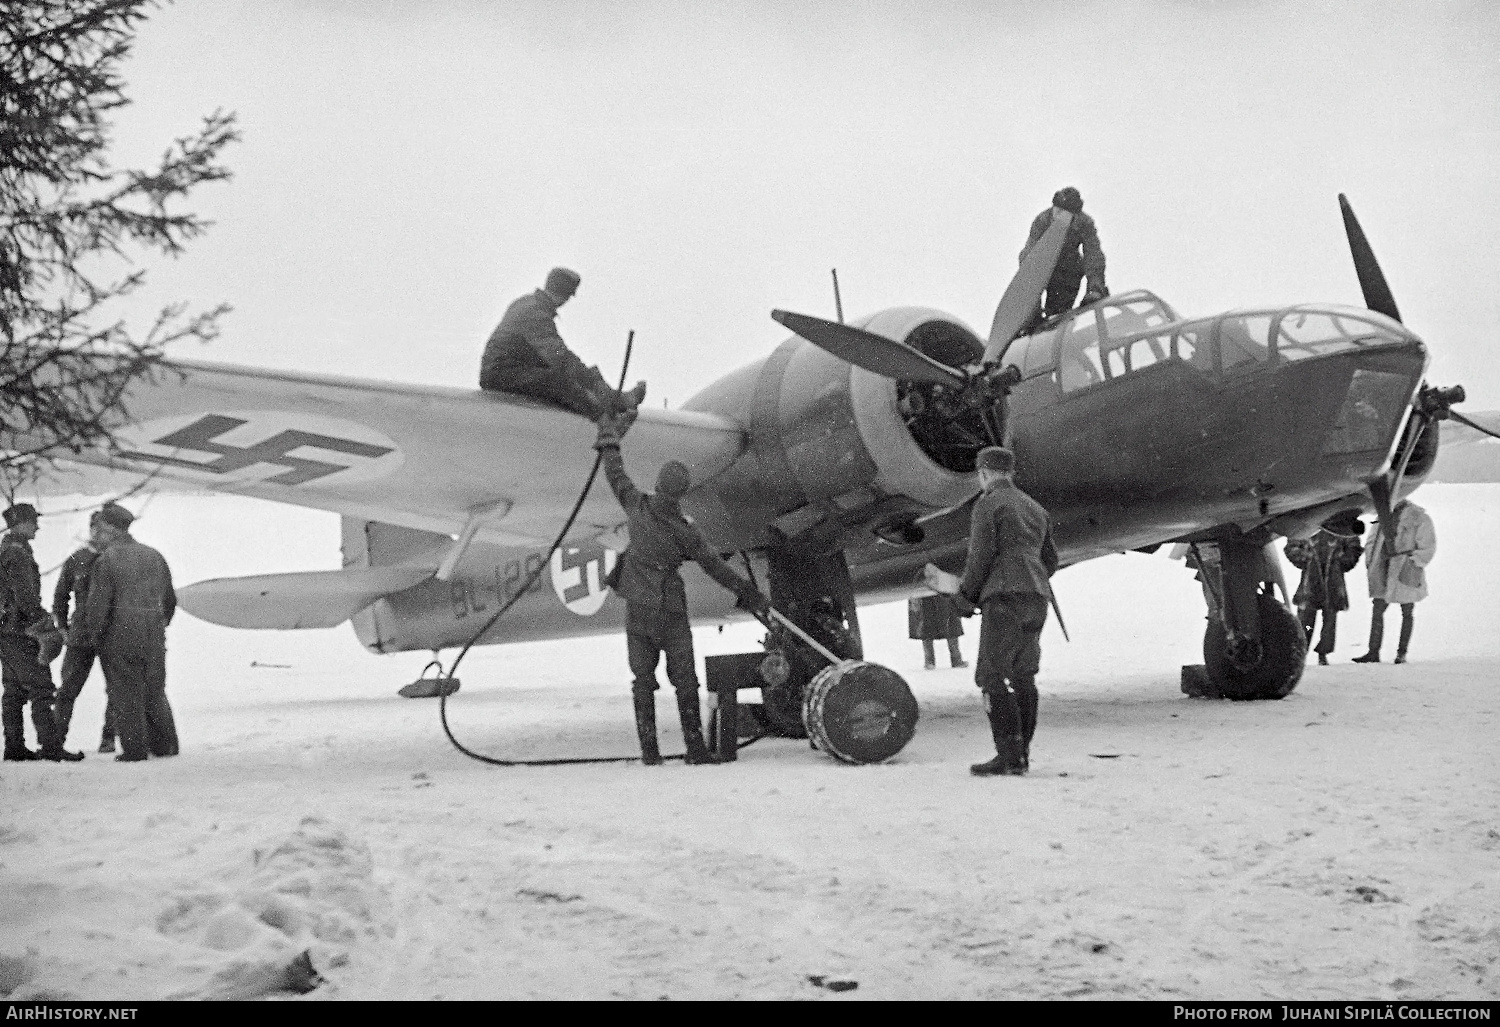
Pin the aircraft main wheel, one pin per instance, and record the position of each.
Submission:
(860, 712)
(1283, 653)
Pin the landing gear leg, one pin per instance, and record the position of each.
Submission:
(817, 594)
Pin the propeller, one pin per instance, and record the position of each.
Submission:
(981, 391)
(1433, 403)
(874, 353)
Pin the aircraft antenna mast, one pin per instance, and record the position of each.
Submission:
(838, 302)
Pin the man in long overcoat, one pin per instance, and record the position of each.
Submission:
(656, 619)
(130, 604)
(1395, 566)
(1323, 559)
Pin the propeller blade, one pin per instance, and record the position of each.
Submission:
(1380, 491)
(1371, 281)
(874, 353)
(1024, 290)
(1461, 419)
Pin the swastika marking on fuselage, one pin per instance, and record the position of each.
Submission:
(199, 437)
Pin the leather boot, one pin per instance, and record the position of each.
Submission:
(57, 754)
(1010, 748)
(19, 753)
(645, 727)
(1367, 658)
(692, 730)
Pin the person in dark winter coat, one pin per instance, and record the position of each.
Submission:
(67, 608)
(525, 355)
(1082, 256)
(1323, 559)
(1011, 559)
(130, 603)
(933, 617)
(24, 676)
(1396, 567)
(656, 619)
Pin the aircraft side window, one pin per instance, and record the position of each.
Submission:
(1189, 346)
(1114, 364)
(1304, 334)
(1078, 360)
(1147, 351)
(1130, 318)
(1363, 333)
(1244, 339)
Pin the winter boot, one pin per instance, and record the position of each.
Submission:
(1007, 761)
(1400, 658)
(1370, 657)
(1010, 748)
(57, 754)
(107, 743)
(645, 727)
(692, 730)
(19, 753)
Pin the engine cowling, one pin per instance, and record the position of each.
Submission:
(829, 441)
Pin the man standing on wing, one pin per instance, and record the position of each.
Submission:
(1011, 557)
(656, 619)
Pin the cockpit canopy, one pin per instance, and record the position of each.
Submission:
(1127, 333)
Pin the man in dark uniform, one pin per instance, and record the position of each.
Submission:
(1324, 559)
(525, 355)
(1011, 557)
(125, 618)
(71, 590)
(656, 619)
(1081, 256)
(26, 678)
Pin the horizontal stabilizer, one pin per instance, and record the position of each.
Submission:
(309, 599)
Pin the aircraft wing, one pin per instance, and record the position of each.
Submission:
(426, 457)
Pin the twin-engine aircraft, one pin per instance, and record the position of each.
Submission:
(836, 466)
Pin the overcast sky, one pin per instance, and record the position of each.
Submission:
(408, 168)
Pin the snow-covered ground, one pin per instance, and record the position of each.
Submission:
(1342, 843)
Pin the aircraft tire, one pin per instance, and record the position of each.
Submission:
(860, 712)
(1283, 655)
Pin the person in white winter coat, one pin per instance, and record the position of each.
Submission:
(1396, 572)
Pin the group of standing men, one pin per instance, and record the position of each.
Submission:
(1395, 570)
(113, 601)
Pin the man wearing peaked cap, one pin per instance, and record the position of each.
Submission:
(1011, 557)
(525, 355)
(24, 678)
(130, 603)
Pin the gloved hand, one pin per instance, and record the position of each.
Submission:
(964, 607)
(750, 600)
(610, 431)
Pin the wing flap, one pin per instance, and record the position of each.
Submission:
(307, 599)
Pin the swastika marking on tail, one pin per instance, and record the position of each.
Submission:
(199, 436)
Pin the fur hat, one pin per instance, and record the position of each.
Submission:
(674, 480)
(562, 283)
(21, 513)
(995, 458)
(116, 516)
